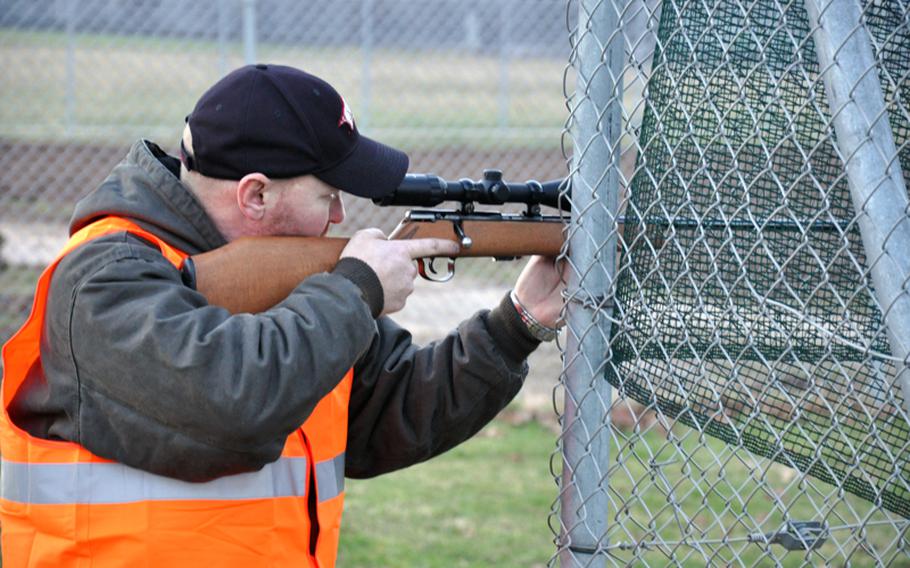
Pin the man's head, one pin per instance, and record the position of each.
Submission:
(269, 127)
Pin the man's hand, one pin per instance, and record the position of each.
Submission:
(393, 262)
(539, 289)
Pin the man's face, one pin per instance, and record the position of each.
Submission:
(305, 207)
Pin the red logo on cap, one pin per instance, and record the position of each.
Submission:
(347, 117)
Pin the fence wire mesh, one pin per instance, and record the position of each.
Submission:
(723, 300)
(461, 85)
(754, 324)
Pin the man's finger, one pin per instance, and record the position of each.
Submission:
(422, 248)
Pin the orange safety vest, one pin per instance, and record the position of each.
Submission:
(61, 505)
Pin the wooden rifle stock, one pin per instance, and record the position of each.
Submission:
(252, 274)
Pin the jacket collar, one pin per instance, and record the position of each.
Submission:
(145, 189)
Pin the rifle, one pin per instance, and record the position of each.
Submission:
(252, 274)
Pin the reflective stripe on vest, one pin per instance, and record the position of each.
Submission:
(61, 505)
(106, 482)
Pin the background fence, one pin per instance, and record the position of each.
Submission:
(740, 246)
(460, 85)
(736, 285)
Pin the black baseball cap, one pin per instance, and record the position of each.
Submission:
(284, 123)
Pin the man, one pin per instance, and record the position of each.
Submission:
(144, 426)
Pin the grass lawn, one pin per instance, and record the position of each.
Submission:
(485, 503)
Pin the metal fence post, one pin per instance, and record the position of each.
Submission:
(595, 127)
(70, 90)
(249, 32)
(866, 144)
(222, 37)
(506, 9)
(366, 47)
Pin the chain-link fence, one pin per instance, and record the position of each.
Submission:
(739, 239)
(740, 250)
(461, 85)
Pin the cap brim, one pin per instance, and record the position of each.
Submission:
(372, 170)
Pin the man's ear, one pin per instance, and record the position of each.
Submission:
(251, 191)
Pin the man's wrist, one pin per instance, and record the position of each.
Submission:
(509, 333)
(537, 330)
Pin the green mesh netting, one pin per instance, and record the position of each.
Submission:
(747, 310)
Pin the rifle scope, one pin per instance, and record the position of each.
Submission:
(426, 190)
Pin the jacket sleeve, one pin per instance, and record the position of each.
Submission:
(168, 384)
(411, 403)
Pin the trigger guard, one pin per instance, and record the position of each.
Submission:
(427, 270)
